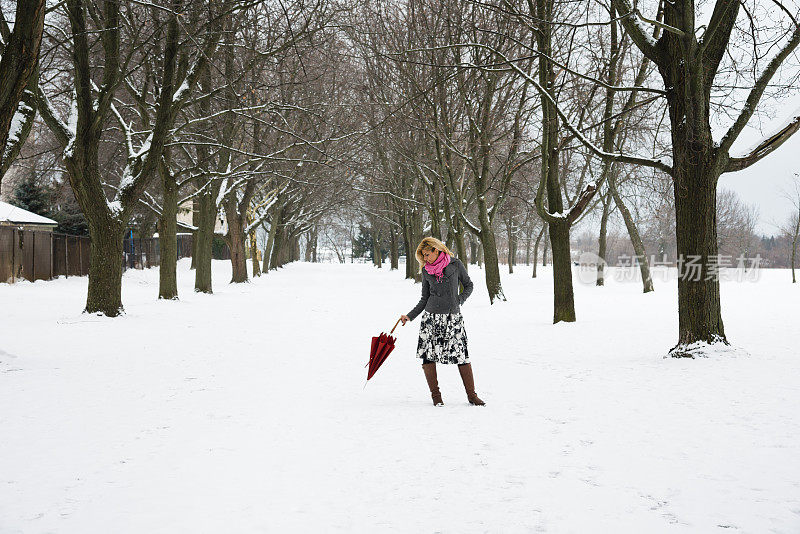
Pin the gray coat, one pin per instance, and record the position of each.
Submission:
(443, 297)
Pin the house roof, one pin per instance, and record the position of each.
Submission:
(15, 215)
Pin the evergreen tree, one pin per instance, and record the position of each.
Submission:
(30, 195)
(363, 245)
(57, 203)
(64, 209)
(70, 219)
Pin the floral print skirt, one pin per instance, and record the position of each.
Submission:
(442, 338)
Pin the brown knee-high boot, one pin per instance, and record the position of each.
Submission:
(469, 384)
(433, 383)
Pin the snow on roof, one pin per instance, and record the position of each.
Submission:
(15, 215)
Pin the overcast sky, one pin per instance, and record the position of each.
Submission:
(763, 184)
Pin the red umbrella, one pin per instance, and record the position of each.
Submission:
(382, 345)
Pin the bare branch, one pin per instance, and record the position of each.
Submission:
(765, 147)
(752, 102)
(643, 40)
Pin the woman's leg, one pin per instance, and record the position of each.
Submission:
(430, 375)
(465, 369)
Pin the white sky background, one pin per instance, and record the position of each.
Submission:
(763, 185)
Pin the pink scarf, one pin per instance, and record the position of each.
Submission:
(437, 267)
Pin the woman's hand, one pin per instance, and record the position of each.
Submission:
(404, 318)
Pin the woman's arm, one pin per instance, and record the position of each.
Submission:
(463, 277)
(426, 292)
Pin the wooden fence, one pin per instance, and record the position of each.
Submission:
(143, 253)
(37, 255)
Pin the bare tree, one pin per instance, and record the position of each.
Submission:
(93, 26)
(736, 226)
(791, 228)
(19, 55)
(689, 60)
(474, 118)
(688, 65)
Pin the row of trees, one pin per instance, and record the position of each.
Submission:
(524, 243)
(229, 107)
(476, 122)
(568, 108)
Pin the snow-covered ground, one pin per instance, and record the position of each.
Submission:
(245, 411)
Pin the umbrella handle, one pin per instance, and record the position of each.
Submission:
(395, 326)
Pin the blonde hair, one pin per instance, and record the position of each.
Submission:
(430, 243)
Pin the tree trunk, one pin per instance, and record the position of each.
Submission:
(148, 225)
(393, 251)
(633, 233)
(601, 241)
(277, 245)
(436, 230)
(436, 221)
(286, 252)
(296, 248)
(528, 249)
(412, 237)
(309, 237)
(410, 260)
(515, 242)
(106, 233)
(236, 243)
(536, 250)
(563, 299)
(315, 243)
(700, 313)
(699, 309)
(204, 238)
(273, 227)
(510, 256)
(168, 238)
(417, 225)
(254, 253)
(195, 221)
(106, 229)
(105, 267)
(794, 254)
(492, 267)
(546, 245)
(491, 261)
(377, 259)
(461, 247)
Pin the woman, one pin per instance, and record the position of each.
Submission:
(442, 338)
